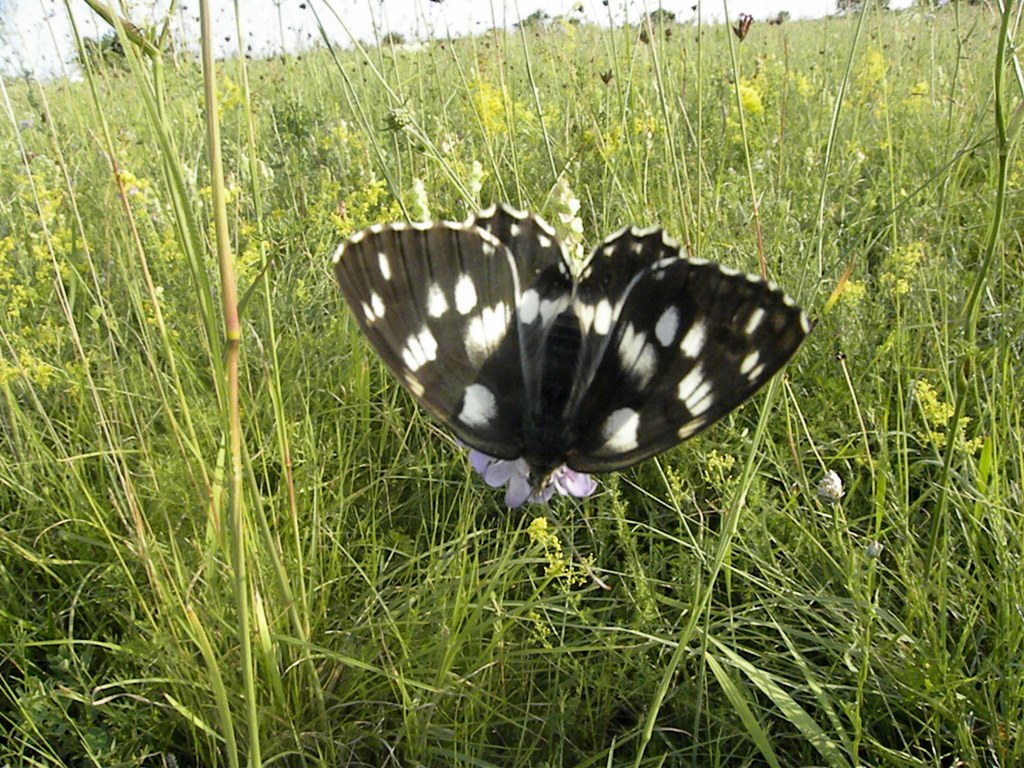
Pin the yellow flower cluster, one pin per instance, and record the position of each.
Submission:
(802, 84)
(341, 138)
(230, 96)
(497, 110)
(250, 256)
(853, 292)
(871, 76)
(717, 467)
(368, 204)
(917, 99)
(489, 103)
(903, 267)
(750, 96)
(38, 242)
(937, 415)
(570, 224)
(559, 565)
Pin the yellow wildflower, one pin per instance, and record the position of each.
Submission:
(750, 97)
(802, 84)
(489, 103)
(872, 75)
(937, 415)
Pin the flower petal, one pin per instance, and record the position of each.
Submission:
(516, 473)
(543, 496)
(480, 461)
(518, 492)
(572, 483)
(499, 472)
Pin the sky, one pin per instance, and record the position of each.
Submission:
(36, 37)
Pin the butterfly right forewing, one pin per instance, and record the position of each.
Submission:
(691, 341)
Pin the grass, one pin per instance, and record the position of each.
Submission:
(265, 554)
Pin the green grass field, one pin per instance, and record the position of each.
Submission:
(263, 553)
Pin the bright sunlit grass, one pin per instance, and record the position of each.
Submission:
(325, 582)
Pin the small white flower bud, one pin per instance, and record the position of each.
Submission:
(830, 488)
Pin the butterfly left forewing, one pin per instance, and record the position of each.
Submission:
(690, 342)
(438, 304)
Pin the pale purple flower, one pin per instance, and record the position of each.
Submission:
(516, 473)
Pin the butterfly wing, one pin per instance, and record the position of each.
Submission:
(605, 280)
(438, 302)
(689, 342)
(531, 240)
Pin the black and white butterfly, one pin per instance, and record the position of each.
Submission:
(486, 326)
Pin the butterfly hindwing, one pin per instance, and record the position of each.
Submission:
(531, 240)
(545, 279)
(691, 341)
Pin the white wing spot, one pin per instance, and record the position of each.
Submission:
(479, 406)
(484, 332)
(374, 310)
(420, 349)
(514, 229)
(690, 428)
(529, 306)
(465, 294)
(585, 314)
(693, 341)
(545, 242)
(619, 430)
(385, 265)
(749, 362)
(753, 321)
(414, 385)
(637, 247)
(551, 308)
(667, 326)
(637, 357)
(437, 304)
(603, 317)
(607, 251)
(695, 391)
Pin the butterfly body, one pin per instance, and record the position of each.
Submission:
(487, 327)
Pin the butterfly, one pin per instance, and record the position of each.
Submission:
(489, 329)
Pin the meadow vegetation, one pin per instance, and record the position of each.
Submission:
(319, 579)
